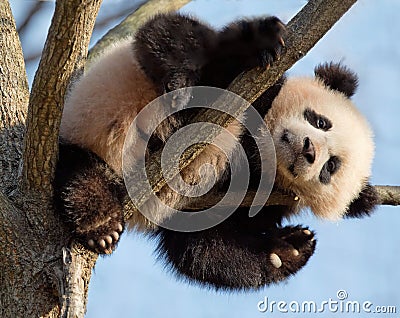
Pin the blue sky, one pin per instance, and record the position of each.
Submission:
(359, 256)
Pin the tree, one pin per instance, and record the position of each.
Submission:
(42, 272)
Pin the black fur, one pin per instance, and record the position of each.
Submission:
(236, 254)
(338, 77)
(241, 46)
(177, 51)
(364, 205)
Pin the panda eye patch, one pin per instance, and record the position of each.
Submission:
(333, 164)
(316, 120)
(329, 168)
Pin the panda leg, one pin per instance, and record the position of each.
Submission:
(89, 196)
(237, 260)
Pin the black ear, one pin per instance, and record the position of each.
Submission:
(338, 77)
(364, 204)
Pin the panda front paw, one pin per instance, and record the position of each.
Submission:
(258, 42)
(292, 248)
(269, 33)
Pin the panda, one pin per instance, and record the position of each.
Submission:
(324, 148)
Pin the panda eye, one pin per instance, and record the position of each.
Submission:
(316, 120)
(329, 168)
(321, 124)
(333, 164)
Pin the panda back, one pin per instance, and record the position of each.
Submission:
(102, 104)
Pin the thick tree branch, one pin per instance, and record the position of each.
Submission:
(304, 30)
(388, 195)
(73, 281)
(65, 51)
(33, 235)
(14, 94)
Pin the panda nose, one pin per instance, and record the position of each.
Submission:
(308, 150)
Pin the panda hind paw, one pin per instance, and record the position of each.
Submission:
(294, 247)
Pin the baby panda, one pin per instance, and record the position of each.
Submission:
(324, 148)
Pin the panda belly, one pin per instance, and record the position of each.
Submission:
(101, 105)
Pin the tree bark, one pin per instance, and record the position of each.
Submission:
(14, 97)
(32, 235)
(64, 52)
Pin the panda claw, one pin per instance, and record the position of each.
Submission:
(275, 260)
(281, 41)
(107, 251)
(91, 243)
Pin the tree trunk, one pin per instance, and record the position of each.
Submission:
(32, 235)
(42, 273)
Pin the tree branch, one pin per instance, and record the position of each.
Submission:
(44, 234)
(73, 282)
(14, 94)
(64, 52)
(388, 195)
(105, 22)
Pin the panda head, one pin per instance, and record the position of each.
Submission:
(324, 146)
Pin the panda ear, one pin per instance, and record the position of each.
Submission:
(364, 204)
(338, 77)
